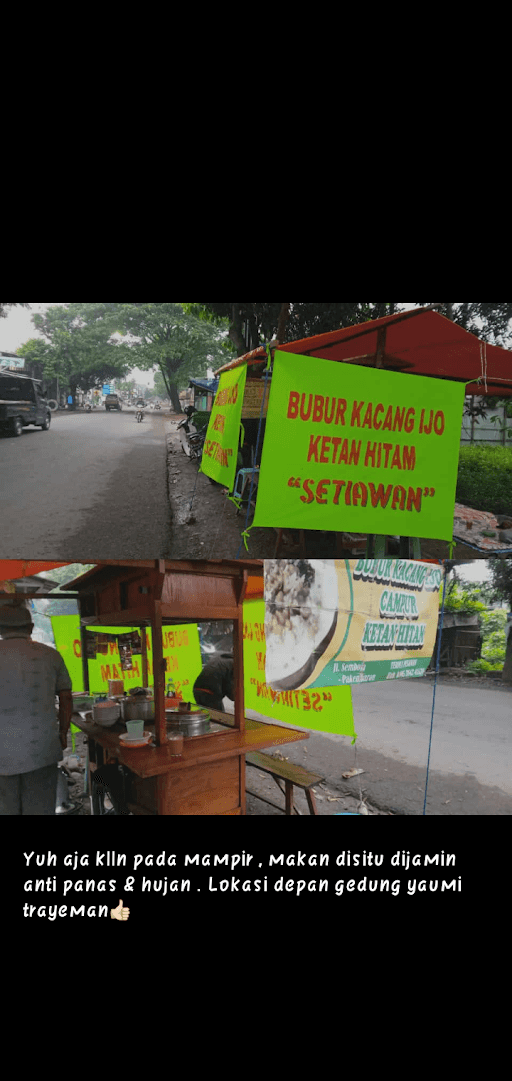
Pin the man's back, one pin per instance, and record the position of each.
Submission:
(31, 674)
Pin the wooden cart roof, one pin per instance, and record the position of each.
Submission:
(216, 568)
(417, 342)
(133, 592)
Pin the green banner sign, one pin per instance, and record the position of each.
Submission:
(359, 450)
(66, 634)
(324, 710)
(221, 443)
(181, 650)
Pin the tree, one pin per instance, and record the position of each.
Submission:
(250, 325)
(462, 597)
(501, 577)
(62, 575)
(160, 388)
(4, 313)
(175, 341)
(491, 323)
(78, 346)
(35, 351)
(125, 388)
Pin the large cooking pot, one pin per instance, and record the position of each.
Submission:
(190, 722)
(138, 709)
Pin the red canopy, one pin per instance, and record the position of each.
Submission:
(418, 342)
(24, 568)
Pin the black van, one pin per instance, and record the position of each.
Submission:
(21, 403)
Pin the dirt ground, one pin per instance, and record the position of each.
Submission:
(328, 799)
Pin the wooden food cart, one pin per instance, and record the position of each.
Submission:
(209, 777)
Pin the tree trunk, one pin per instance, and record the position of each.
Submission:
(507, 667)
(282, 321)
(175, 400)
(235, 332)
(171, 388)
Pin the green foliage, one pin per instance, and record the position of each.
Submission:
(490, 322)
(200, 419)
(494, 622)
(501, 573)
(484, 478)
(494, 647)
(78, 347)
(172, 339)
(36, 351)
(125, 388)
(3, 309)
(258, 322)
(250, 325)
(462, 598)
(483, 666)
(62, 575)
(67, 573)
(159, 386)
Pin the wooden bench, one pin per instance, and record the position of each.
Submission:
(291, 774)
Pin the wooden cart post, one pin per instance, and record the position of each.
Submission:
(238, 657)
(85, 661)
(238, 671)
(144, 654)
(158, 674)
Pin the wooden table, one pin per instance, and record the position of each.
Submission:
(208, 778)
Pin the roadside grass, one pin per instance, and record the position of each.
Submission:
(484, 479)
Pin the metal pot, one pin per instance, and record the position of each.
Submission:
(138, 709)
(194, 722)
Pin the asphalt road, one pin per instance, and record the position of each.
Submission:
(470, 770)
(93, 487)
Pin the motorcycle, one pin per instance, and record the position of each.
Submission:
(139, 416)
(186, 430)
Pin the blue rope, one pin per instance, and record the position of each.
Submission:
(440, 632)
(257, 448)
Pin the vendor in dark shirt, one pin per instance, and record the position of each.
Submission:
(214, 683)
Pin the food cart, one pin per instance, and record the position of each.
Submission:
(208, 778)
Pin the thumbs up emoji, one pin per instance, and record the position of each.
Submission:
(119, 913)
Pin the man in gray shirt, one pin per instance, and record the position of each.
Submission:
(31, 675)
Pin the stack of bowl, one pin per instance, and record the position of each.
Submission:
(106, 713)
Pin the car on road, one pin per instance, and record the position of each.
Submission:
(113, 401)
(22, 402)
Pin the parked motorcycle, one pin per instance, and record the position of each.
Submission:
(186, 429)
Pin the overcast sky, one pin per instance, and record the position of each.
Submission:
(18, 327)
(476, 571)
